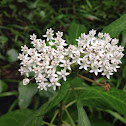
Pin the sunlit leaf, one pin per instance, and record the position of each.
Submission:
(26, 92)
(116, 27)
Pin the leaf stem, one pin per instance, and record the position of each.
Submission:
(43, 122)
(53, 118)
(90, 80)
(70, 118)
(66, 124)
(60, 111)
(71, 103)
(8, 93)
(105, 85)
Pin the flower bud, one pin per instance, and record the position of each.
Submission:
(26, 81)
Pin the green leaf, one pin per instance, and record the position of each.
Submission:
(97, 97)
(74, 32)
(12, 55)
(124, 72)
(116, 27)
(123, 43)
(73, 113)
(48, 93)
(36, 117)
(3, 40)
(117, 116)
(3, 86)
(26, 92)
(100, 122)
(82, 116)
(14, 118)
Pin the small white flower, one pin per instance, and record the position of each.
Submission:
(33, 37)
(66, 64)
(76, 57)
(95, 68)
(100, 35)
(63, 74)
(84, 63)
(49, 34)
(54, 83)
(42, 86)
(24, 49)
(51, 73)
(40, 78)
(92, 32)
(60, 42)
(59, 34)
(26, 81)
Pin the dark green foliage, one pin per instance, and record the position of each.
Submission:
(15, 118)
(19, 19)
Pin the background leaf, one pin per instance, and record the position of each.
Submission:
(74, 32)
(100, 122)
(26, 92)
(12, 55)
(116, 27)
(3, 86)
(3, 40)
(123, 42)
(14, 118)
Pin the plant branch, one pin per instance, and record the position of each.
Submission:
(60, 111)
(70, 118)
(92, 81)
(53, 118)
(71, 103)
(105, 85)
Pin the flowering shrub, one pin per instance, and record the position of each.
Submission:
(51, 60)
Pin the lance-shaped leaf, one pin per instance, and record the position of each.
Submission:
(82, 116)
(74, 32)
(116, 27)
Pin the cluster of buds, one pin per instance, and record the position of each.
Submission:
(51, 60)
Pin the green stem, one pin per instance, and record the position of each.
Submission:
(71, 103)
(70, 118)
(13, 105)
(66, 124)
(53, 118)
(43, 122)
(61, 108)
(8, 93)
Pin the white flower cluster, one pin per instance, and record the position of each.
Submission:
(100, 54)
(51, 60)
(49, 63)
